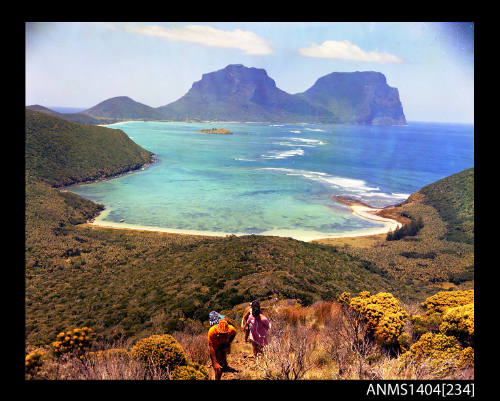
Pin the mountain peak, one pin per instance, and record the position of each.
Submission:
(120, 108)
(240, 93)
(359, 97)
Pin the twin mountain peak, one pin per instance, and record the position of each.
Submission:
(239, 93)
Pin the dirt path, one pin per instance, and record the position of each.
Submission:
(241, 358)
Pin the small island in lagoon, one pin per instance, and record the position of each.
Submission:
(216, 131)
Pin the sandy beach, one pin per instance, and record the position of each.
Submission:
(357, 208)
(119, 122)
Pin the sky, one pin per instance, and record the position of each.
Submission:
(80, 64)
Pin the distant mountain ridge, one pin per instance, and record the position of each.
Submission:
(239, 93)
(122, 108)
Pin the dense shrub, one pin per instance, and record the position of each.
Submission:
(439, 353)
(410, 229)
(288, 356)
(447, 299)
(75, 341)
(425, 324)
(33, 362)
(293, 315)
(384, 316)
(192, 371)
(448, 312)
(195, 346)
(161, 350)
(459, 322)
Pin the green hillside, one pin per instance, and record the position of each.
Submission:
(74, 117)
(122, 108)
(61, 152)
(453, 198)
(442, 252)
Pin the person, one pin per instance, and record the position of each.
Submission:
(220, 336)
(256, 326)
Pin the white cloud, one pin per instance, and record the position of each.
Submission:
(347, 51)
(247, 41)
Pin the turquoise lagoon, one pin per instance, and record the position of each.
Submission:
(276, 179)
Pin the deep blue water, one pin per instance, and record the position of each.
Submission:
(277, 177)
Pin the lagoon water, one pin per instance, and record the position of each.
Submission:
(277, 178)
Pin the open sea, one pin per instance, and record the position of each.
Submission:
(276, 179)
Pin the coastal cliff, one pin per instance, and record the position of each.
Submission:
(239, 93)
(362, 98)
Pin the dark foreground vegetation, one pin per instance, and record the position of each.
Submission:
(360, 336)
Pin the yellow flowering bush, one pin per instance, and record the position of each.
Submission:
(193, 371)
(459, 322)
(440, 302)
(344, 298)
(448, 312)
(383, 314)
(162, 350)
(75, 341)
(440, 353)
(466, 358)
(34, 361)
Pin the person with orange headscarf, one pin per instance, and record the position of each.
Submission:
(220, 336)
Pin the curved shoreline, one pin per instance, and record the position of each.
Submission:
(357, 208)
(152, 161)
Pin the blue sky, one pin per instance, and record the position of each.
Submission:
(79, 64)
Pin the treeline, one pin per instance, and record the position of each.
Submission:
(410, 229)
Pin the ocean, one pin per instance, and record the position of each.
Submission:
(276, 179)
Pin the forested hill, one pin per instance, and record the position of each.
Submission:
(60, 152)
(122, 108)
(453, 198)
(74, 117)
